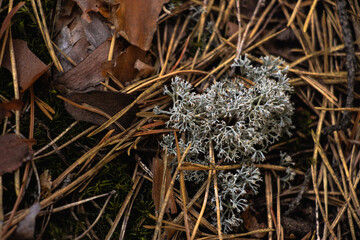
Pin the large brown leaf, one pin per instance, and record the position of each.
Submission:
(88, 73)
(136, 21)
(14, 151)
(29, 67)
(109, 103)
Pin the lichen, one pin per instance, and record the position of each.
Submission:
(241, 122)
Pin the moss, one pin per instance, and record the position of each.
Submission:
(25, 27)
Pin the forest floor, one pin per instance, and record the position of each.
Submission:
(80, 154)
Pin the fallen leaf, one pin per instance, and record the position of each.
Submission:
(14, 151)
(6, 107)
(7, 19)
(26, 228)
(29, 67)
(124, 69)
(136, 21)
(86, 7)
(109, 103)
(78, 38)
(88, 73)
(158, 169)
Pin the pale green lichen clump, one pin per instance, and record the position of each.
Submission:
(240, 121)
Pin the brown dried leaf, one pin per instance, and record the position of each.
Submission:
(6, 107)
(124, 69)
(86, 7)
(14, 151)
(29, 67)
(136, 21)
(78, 38)
(88, 73)
(108, 102)
(158, 168)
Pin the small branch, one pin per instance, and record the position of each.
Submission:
(351, 68)
(296, 202)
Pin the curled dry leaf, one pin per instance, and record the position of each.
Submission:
(108, 103)
(29, 67)
(124, 69)
(45, 183)
(14, 151)
(136, 21)
(6, 107)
